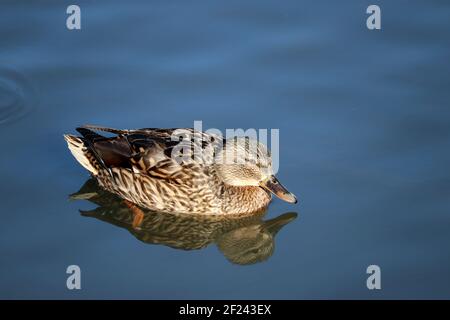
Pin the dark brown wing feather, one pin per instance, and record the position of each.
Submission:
(122, 150)
(147, 150)
(141, 149)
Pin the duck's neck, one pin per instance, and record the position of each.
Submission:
(248, 199)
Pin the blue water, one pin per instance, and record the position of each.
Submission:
(364, 121)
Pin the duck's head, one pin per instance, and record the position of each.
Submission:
(247, 162)
(253, 243)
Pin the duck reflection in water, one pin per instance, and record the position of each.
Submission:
(243, 240)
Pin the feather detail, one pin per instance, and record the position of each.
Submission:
(138, 165)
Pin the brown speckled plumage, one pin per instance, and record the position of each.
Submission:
(138, 166)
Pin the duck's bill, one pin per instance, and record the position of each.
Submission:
(274, 225)
(273, 185)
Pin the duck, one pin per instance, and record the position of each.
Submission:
(179, 170)
(242, 239)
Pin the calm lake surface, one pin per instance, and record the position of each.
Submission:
(364, 120)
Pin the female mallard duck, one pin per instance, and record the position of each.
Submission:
(142, 167)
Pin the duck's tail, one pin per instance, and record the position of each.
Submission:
(82, 153)
(98, 154)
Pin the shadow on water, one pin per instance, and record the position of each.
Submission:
(16, 96)
(243, 240)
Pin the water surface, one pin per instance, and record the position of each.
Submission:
(364, 125)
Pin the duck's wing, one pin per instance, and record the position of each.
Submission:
(159, 153)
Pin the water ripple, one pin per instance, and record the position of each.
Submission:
(16, 96)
